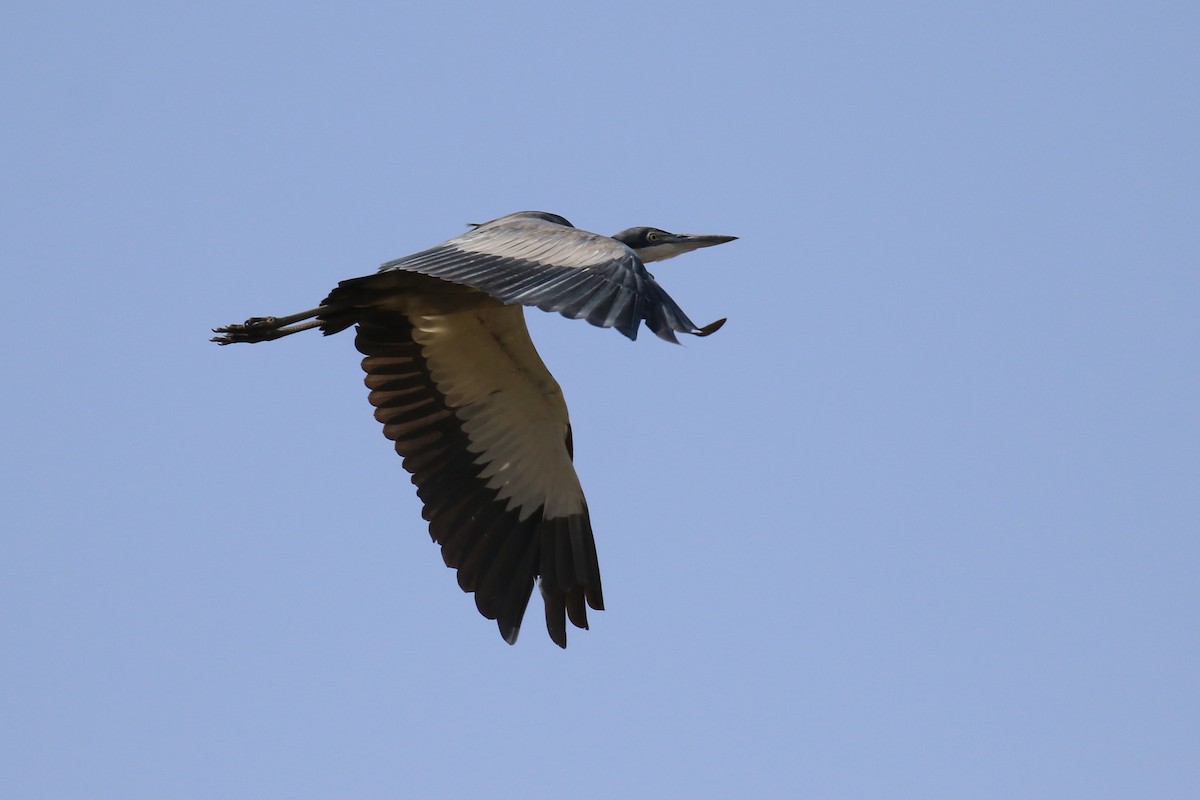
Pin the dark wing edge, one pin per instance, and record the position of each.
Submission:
(498, 556)
(613, 290)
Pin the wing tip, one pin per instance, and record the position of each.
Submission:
(710, 328)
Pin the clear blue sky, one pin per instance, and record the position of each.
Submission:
(921, 521)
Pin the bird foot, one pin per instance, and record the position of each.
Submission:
(255, 329)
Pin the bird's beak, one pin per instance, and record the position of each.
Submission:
(694, 241)
(680, 243)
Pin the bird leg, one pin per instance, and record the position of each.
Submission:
(264, 329)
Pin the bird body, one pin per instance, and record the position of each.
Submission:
(480, 422)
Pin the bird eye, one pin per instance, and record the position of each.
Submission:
(652, 236)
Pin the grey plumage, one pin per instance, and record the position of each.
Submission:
(538, 259)
(479, 420)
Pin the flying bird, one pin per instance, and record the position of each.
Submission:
(478, 419)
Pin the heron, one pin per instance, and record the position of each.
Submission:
(478, 419)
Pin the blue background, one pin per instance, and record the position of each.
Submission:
(921, 521)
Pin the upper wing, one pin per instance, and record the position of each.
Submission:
(483, 429)
(531, 259)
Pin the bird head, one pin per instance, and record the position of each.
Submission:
(655, 244)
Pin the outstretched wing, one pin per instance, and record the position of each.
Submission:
(537, 259)
(483, 429)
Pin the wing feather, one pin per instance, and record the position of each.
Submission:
(540, 260)
(483, 429)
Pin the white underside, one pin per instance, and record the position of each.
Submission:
(511, 408)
